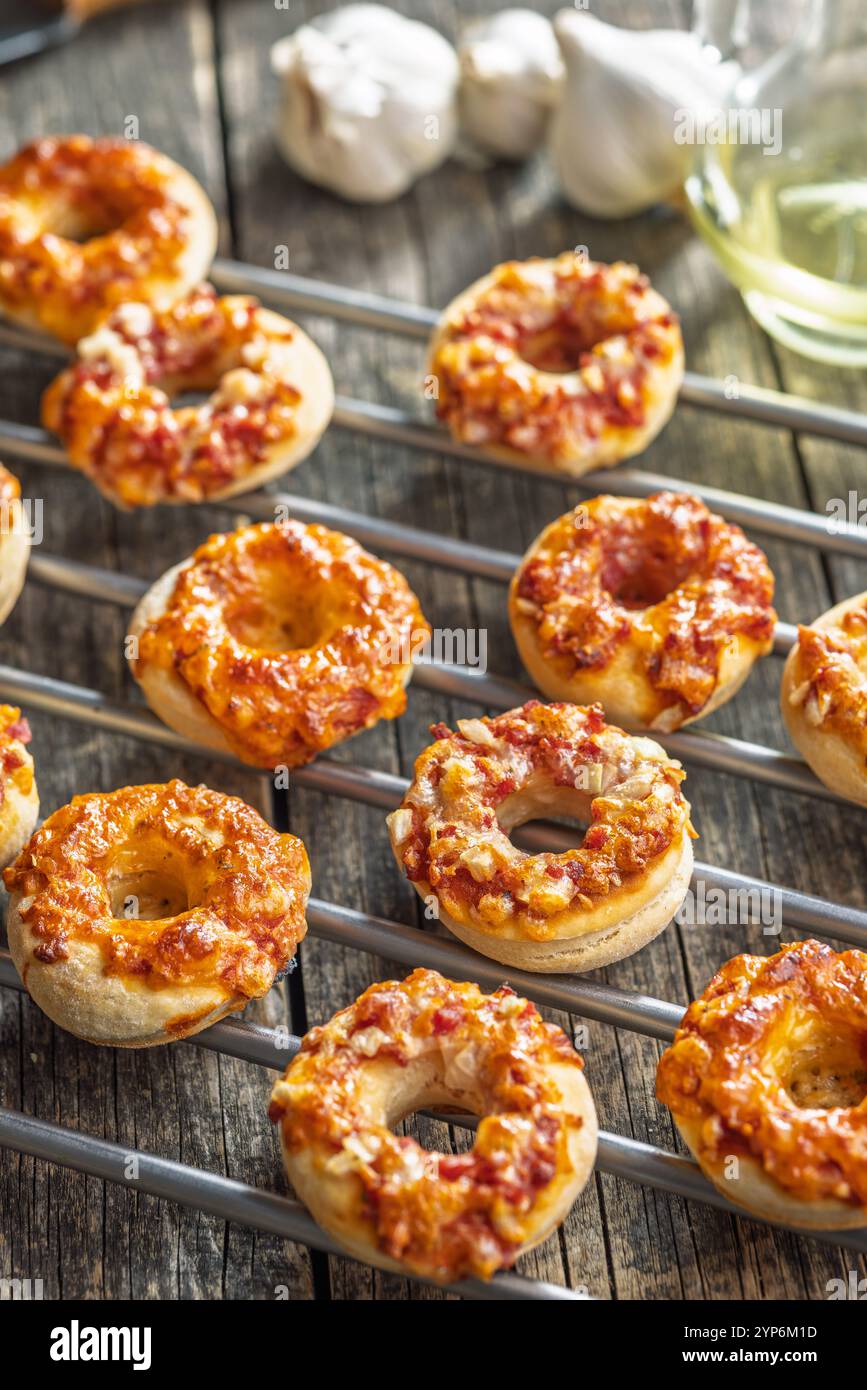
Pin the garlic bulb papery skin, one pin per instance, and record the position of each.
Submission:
(369, 101)
(511, 72)
(612, 137)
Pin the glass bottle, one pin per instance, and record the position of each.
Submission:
(779, 186)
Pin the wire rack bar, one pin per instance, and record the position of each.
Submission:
(36, 445)
(629, 1159)
(400, 427)
(718, 752)
(219, 1196)
(384, 790)
(757, 514)
(298, 294)
(622, 1008)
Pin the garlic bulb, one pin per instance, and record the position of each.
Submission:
(511, 72)
(369, 101)
(613, 135)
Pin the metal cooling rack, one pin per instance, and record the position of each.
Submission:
(625, 1158)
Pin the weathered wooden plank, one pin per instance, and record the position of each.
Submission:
(620, 1240)
(450, 229)
(84, 1240)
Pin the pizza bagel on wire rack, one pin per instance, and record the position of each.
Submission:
(655, 607)
(823, 697)
(14, 542)
(145, 914)
(276, 641)
(86, 224)
(767, 1083)
(427, 1041)
(564, 365)
(19, 798)
(573, 911)
(271, 397)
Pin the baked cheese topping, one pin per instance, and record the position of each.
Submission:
(247, 887)
(447, 1215)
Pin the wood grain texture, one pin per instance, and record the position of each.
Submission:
(198, 79)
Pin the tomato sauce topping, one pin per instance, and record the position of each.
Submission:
(292, 637)
(665, 575)
(554, 355)
(247, 886)
(448, 833)
(735, 1067)
(448, 1215)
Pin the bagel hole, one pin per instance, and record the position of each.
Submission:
(639, 576)
(531, 816)
(74, 224)
(434, 1100)
(281, 617)
(828, 1071)
(148, 895)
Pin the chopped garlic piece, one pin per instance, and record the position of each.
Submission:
(511, 1005)
(480, 861)
(400, 824)
(108, 346)
(136, 320)
(525, 606)
(253, 354)
(368, 1041)
(635, 788)
(240, 386)
(476, 731)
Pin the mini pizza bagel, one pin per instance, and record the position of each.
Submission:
(823, 697)
(427, 1041)
(572, 911)
(146, 914)
(88, 224)
(14, 543)
(562, 364)
(767, 1083)
(655, 607)
(276, 641)
(271, 398)
(19, 799)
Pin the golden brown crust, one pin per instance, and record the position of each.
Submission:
(427, 1041)
(164, 892)
(19, 799)
(565, 363)
(290, 637)
(152, 232)
(823, 696)
(14, 542)
(271, 398)
(770, 1066)
(472, 786)
(656, 607)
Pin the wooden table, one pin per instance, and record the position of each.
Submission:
(196, 78)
